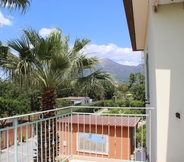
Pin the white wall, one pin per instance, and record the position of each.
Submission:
(165, 43)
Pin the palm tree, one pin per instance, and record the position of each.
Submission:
(21, 5)
(92, 84)
(47, 63)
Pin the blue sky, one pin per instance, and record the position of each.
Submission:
(101, 21)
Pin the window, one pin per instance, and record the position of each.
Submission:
(92, 143)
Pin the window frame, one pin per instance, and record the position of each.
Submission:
(105, 136)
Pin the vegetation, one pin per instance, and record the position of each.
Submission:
(21, 5)
(63, 103)
(48, 63)
(141, 136)
(23, 138)
(15, 100)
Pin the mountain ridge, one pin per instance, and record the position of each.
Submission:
(120, 72)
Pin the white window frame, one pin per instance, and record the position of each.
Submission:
(104, 136)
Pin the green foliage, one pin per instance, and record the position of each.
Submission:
(124, 103)
(63, 103)
(137, 86)
(21, 5)
(109, 89)
(114, 111)
(91, 110)
(109, 103)
(3, 51)
(1, 139)
(15, 100)
(23, 138)
(96, 103)
(141, 136)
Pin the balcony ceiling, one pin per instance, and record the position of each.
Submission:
(136, 14)
(161, 2)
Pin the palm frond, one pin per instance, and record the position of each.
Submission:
(21, 5)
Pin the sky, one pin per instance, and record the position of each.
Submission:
(101, 21)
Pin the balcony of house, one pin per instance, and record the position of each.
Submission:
(77, 134)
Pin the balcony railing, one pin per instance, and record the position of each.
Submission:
(80, 133)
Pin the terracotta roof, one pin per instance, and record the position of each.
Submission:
(101, 120)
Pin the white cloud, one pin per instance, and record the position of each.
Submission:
(4, 21)
(45, 31)
(120, 55)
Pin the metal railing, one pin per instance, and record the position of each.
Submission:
(76, 133)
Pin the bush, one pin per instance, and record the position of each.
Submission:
(90, 110)
(109, 103)
(125, 103)
(141, 136)
(63, 103)
(23, 138)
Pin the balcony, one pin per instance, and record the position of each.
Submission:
(77, 135)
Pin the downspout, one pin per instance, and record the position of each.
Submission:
(155, 7)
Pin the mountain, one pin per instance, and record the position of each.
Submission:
(120, 72)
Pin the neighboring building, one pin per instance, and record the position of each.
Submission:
(8, 135)
(156, 27)
(77, 100)
(99, 136)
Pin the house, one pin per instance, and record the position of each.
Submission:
(77, 100)
(98, 136)
(156, 27)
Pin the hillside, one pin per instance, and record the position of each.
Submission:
(120, 72)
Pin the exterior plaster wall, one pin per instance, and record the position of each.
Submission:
(119, 140)
(165, 44)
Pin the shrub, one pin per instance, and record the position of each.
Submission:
(23, 138)
(63, 103)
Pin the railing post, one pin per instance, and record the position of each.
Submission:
(150, 135)
(71, 145)
(15, 123)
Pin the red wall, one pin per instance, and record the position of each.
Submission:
(10, 135)
(120, 142)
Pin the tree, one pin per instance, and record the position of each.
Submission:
(21, 5)
(16, 100)
(93, 84)
(47, 63)
(137, 86)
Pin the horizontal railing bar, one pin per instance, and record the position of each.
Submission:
(65, 131)
(35, 113)
(71, 107)
(142, 115)
(66, 158)
(33, 122)
(105, 107)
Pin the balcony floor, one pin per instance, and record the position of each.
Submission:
(76, 158)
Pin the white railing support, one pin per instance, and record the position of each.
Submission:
(15, 123)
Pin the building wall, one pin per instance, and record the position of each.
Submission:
(165, 48)
(8, 136)
(120, 144)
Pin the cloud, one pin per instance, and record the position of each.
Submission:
(124, 56)
(120, 55)
(4, 21)
(45, 31)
